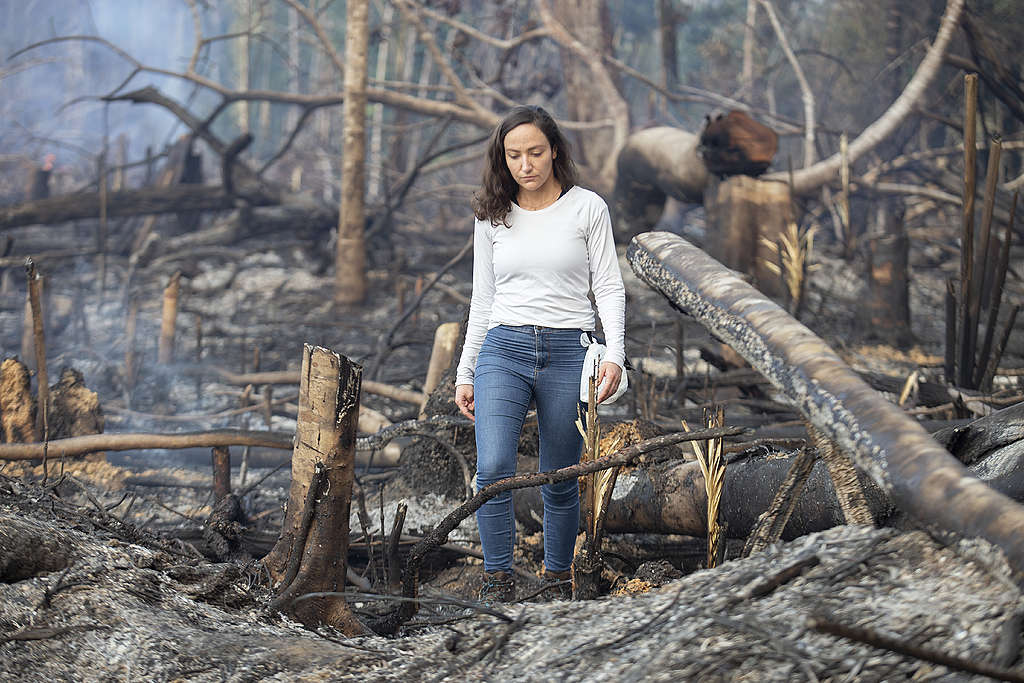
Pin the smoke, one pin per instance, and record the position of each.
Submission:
(49, 95)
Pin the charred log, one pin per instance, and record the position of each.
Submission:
(149, 200)
(900, 457)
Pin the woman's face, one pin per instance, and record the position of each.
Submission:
(529, 157)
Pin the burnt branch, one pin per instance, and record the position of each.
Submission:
(94, 443)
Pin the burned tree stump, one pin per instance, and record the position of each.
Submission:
(310, 554)
(17, 407)
(743, 212)
(74, 408)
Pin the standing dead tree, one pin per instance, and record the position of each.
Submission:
(350, 265)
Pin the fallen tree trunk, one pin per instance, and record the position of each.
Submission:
(149, 200)
(264, 220)
(975, 441)
(671, 499)
(917, 474)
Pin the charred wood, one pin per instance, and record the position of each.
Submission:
(911, 468)
(310, 555)
(149, 200)
(655, 164)
(17, 406)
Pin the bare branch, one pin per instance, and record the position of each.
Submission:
(427, 38)
(501, 43)
(325, 41)
(805, 87)
(93, 443)
(810, 179)
(693, 94)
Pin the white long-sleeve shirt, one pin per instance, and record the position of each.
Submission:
(540, 272)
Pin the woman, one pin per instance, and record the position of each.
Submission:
(541, 244)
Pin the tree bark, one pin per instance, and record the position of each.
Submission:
(887, 307)
(580, 27)
(314, 537)
(17, 407)
(350, 266)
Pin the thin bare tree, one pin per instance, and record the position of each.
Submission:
(350, 265)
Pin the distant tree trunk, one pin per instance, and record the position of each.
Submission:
(887, 307)
(747, 73)
(886, 312)
(350, 268)
(581, 27)
(376, 134)
(311, 551)
(667, 17)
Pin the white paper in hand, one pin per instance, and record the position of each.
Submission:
(591, 368)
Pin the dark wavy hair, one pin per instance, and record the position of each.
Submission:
(498, 188)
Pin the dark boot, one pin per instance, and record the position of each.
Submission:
(498, 587)
(559, 585)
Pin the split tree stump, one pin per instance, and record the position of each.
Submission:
(740, 211)
(311, 551)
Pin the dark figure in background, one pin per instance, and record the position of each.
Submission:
(39, 183)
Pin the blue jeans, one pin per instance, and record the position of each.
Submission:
(517, 365)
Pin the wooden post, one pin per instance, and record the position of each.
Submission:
(27, 353)
(314, 537)
(445, 338)
(131, 358)
(964, 353)
(243, 402)
(35, 292)
(168, 319)
(221, 472)
(417, 290)
(741, 213)
(101, 233)
(6, 245)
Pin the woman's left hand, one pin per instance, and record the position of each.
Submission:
(608, 377)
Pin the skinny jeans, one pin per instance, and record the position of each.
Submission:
(518, 364)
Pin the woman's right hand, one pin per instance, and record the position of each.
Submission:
(464, 400)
